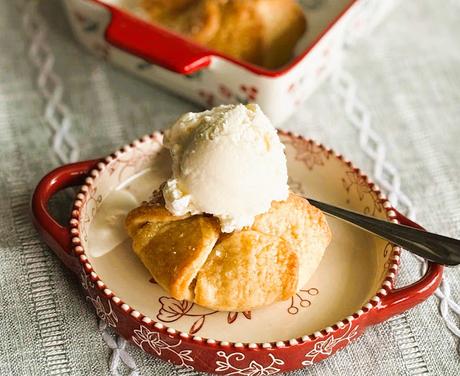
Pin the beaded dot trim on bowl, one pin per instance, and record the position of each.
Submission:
(79, 251)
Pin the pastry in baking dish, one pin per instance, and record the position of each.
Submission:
(262, 32)
(267, 262)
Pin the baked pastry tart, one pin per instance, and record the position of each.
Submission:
(261, 264)
(262, 32)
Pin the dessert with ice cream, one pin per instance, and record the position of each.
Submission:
(228, 162)
(224, 231)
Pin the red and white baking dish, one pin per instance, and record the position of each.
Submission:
(352, 289)
(210, 78)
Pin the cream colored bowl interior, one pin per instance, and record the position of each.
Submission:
(351, 272)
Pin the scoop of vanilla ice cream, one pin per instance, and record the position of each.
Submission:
(228, 162)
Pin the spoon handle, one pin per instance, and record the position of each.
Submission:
(433, 247)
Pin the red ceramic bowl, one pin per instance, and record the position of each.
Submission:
(352, 289)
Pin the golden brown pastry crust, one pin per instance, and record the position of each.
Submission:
(262, 32)
(303, 226)
(172, 248)
(245, 270)
(189, 256)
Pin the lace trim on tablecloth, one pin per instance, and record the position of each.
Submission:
(65, 147)
(388, 178)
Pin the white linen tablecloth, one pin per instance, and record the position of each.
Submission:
(407, 75)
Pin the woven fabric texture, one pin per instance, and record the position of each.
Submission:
(408, 75)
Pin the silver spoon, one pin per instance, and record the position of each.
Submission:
(433, 247)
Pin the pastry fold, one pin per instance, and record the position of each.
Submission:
(245, 270)
(191, 259)
(172, 248)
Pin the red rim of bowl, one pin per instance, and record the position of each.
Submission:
(79, 252)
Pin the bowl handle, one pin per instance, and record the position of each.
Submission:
(401, 299)
(56, 236)
(154, 44)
